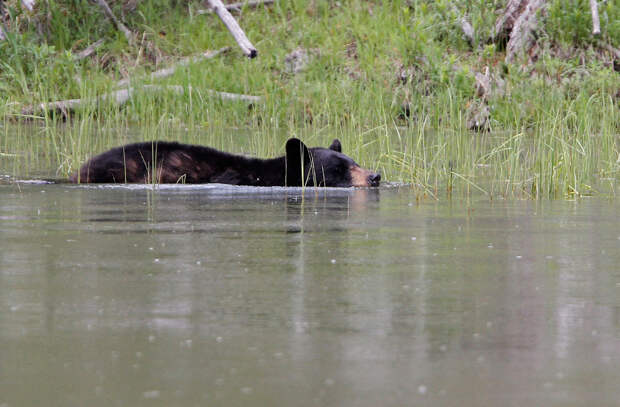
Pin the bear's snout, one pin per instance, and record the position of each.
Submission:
(374, 179)
(363, 178)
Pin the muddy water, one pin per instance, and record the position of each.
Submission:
(232, 296)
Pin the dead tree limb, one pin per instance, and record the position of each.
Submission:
(28, 4)
(120, 97)
(162, 73)
(119, 25)
(596, 23)
(238, 6)
(522, 34)
(232, 25)
(88, 51)
(506, 21)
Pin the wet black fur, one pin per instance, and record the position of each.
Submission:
(173, 162)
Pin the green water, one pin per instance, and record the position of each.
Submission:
(233, 296)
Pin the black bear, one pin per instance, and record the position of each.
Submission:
(170, 162)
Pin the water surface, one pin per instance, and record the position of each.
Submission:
(232, 296)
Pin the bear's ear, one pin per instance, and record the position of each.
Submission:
(336, 146)
(297, 159)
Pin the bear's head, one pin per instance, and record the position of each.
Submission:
(325, 167)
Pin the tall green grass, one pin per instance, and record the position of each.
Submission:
(554, 131)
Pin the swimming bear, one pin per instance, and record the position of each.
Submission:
(172, 162)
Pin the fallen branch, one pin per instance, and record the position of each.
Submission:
(506, 21)
(238, 6)
(120, 97)
(522, 37)
(596, 24)
(232, 25)
(119, 25)
(162, 73)
(28, 4)
(88, 51)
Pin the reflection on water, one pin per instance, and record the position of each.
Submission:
(256, 296)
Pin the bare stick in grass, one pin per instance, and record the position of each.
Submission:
(120, 97)
(28, 4)
(238, 6)
(162, 73)
(596, 24)
(88, 51)
(232, 25)
(119, 25)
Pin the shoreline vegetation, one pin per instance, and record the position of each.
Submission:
(508, 98)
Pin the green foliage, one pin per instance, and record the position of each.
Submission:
(554, 126)
(570, 22)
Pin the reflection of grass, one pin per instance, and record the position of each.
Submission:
(554, 129)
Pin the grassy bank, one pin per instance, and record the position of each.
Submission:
(553, 124)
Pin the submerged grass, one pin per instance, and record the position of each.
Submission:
(554, 126)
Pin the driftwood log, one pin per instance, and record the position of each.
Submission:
(162, 73)
(234, 28)
(120, 97)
